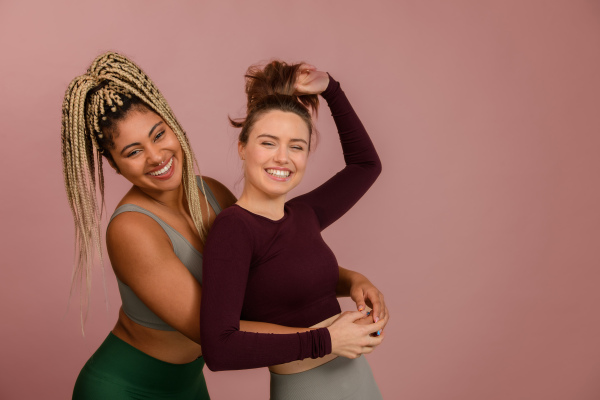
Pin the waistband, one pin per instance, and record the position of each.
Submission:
(117, 360)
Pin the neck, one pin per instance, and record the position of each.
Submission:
(261, 203)
(172, 199)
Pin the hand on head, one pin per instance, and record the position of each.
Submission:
(310, 81)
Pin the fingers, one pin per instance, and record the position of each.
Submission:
(385, 319)
(367, 350)
(307, 68)
(376, 327)
(353, 315)
(376, 303)
(383, 310)
(375, 297)
(375, 341)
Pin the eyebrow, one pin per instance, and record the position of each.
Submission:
(138, 143)
(277, 139)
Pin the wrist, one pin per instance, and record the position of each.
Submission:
(332, 87)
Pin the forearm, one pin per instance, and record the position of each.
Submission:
(346, 279)
(265, 327)
(335, 197)
(357, 147)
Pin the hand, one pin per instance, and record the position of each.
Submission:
(350, 340)
(364, 293)
(310, 81)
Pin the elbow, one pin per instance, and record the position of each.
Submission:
(374, 169)
(377, 168)
(212, 363)
(215, 359)
(219, 353)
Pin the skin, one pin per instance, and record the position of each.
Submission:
(279, 142)
(141, 253)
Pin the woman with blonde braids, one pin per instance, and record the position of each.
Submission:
(155, 237)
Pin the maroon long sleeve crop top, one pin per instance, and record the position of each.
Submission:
(282, 271)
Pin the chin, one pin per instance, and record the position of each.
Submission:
(279, 190)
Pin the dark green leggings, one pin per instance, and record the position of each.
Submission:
(119, 371)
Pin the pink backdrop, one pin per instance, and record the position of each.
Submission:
(482, 230)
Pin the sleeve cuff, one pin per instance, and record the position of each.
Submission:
(332, 88)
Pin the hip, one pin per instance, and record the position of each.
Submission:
(341, 378)
(120, 371)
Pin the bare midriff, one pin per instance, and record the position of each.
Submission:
(169, 346)
(296, 367)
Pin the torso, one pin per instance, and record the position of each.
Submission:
(293, 273)
(292, 277)
(168, 346)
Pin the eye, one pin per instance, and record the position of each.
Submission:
(159, 135)
(298, 147)
(133, 153)
(268, 143)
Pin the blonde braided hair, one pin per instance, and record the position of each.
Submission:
(89, 98)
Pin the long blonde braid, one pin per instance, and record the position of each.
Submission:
(87, 100)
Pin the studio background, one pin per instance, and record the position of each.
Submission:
(482, 230)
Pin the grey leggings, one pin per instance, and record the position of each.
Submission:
(340, 378)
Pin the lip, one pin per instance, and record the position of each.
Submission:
(279, 178)
(166, 176)
(160, 166)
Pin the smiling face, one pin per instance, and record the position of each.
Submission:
(275, 154)
(146, 151)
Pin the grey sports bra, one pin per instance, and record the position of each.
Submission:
(133, 307)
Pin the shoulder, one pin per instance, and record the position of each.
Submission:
(231, 235)
(299, 205)
(132, 227)
(223, 195)
(133, 240)
(235, 217)
(231, 223)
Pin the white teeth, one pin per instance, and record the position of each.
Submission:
(164, 169)
(278, 173)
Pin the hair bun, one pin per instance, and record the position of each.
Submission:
(273, 87)
(276, 78)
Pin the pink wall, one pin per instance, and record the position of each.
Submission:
(482, 231)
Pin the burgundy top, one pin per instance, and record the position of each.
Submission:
(282, 272)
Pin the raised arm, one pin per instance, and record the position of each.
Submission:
(335, 197)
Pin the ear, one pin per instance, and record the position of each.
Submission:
(241, 151)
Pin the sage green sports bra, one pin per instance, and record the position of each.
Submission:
(133, 307)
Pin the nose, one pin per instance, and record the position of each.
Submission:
(281, 155)
(154, 155)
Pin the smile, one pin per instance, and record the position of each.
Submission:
(278, 173)
(163, 170)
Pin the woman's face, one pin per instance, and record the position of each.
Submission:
(147, 152)
(276, 153)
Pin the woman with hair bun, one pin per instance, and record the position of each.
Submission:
(155, 237)
(265, 259)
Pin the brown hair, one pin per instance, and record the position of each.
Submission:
(112, 86)
(272, 87)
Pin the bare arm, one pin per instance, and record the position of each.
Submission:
(363, 292)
